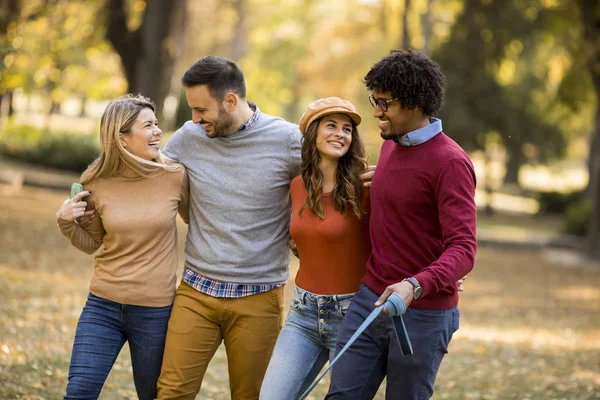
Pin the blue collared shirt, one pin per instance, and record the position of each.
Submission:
(421, 135)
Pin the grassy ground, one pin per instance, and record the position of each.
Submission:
(530, 325)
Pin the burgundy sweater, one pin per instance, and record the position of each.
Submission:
(423, 219)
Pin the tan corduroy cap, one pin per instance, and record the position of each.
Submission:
(326, 106)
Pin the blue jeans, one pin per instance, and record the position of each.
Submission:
(376, 353)
(306, 342)
(103, 328)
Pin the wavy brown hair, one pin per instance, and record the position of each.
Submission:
(347, 192)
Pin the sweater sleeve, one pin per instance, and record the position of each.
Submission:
(184, 199)
(173, 148)
(455, 196)
(88, 239)
(295, 157)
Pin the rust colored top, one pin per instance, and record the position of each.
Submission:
(334, 251)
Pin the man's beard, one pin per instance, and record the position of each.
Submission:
(224, 126)
(389, 135)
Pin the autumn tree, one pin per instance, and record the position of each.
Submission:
(148, 52)
(590, 17)
(493, 78)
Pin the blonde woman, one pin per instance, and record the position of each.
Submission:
(132, 195)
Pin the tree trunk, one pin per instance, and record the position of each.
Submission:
(292, 109)
(405, 42)
(54, 107)
(84, 101)
(148, 54)
(179, 35)
(513, 166)
(383, 16)
(489, 190)
(427, 28)
(593, 244)
(6, 107)
(590, 15)
(239, 42)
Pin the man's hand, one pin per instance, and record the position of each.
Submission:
(293, 247)
(367, 176)
(403, 289)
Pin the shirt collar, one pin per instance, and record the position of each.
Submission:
(421, 135)
(252, 119)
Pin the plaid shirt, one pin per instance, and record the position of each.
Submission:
(223, 289)
(252, 119)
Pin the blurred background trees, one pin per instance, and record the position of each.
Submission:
(523, 76)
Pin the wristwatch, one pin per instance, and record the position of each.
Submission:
(417, 290)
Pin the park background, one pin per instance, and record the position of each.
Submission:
(522, 99)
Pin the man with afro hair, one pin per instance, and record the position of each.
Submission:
(422, 227)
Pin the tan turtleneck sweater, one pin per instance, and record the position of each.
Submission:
(134, 227)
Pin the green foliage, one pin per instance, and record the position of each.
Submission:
(578, 217)
(72, 60)
(62, 150)
(558, 202)
(498, 79)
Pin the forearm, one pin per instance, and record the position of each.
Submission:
(78, 236)
(456, 262)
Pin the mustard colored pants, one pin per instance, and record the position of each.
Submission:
(199, 323)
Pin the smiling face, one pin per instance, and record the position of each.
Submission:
(334, 136)
(396, 121)
(209, 112)
(143, 138)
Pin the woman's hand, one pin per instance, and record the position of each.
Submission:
(460, 283)
(293, 247)
(74, 208)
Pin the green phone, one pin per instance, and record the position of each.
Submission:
(76, 188)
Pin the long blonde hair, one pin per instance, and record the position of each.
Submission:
(117, 119)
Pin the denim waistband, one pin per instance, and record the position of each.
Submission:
(307, 297)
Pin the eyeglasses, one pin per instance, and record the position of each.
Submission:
(381, 103)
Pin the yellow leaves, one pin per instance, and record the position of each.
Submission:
(550, 3)
(486, 35)
(17, 42)
(515, 47)
(558, 66)
(9, 60)
(506, 72)
(135, 19)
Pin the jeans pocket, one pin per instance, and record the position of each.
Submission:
(427, 316)
(455, 321)
(277, 298)
(296, 304)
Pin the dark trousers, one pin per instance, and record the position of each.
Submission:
(103, 328)
(376, 353)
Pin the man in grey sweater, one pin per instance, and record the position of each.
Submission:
(240, 162)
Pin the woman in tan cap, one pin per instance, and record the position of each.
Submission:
(330, 229)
